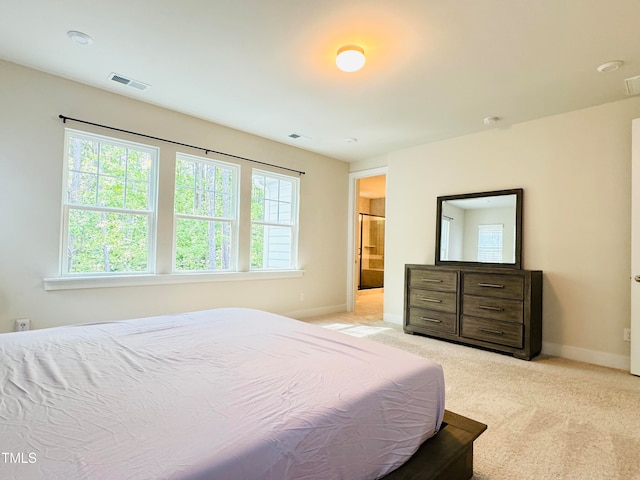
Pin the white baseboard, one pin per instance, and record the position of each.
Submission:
(595, 357)
(398, 319)
(312, 312)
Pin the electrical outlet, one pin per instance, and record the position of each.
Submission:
(302, 297)
(22, 325)
(627, 335)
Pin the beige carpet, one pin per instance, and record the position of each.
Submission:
(548, 418)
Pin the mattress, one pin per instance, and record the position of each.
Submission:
(218, 394)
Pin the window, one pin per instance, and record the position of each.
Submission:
(112, 202)
(109, 206)
(274, 221)
(444, 238)
(206, 212)
(490, 243)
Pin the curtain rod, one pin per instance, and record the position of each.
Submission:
(205, 150)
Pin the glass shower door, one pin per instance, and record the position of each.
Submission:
(371, 251)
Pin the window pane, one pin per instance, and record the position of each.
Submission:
(270, 211)
(101, 242)
(284, 213)
(271, 190)
(111, 192)
(444, 239)
(270, 247)
(490, 243)
(82, 155)
(139, 165)
(257, 198)
(285, 191)
(81, 188)
(137, 195)
(185, 173)
(184, 200)
(204, 188)
(203, 245)
(271, 200)
(112, 160)
(224, 190)
(99, 170)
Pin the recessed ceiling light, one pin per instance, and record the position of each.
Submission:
(79, 37)
(351, 140)
(610, 66)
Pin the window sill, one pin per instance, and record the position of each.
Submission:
(76, 283)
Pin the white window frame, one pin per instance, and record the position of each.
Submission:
(295, 200)
(234, 221)
(150, 213)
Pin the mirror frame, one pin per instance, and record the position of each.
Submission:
(518, 192)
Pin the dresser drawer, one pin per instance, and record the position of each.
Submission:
(493, 285)
(493, 307)
(434, 280)
(433, 300)
(502, 333)
(437, 322)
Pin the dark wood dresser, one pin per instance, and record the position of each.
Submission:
(494, 308)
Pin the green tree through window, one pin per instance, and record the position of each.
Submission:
(205, 214)
(109, 206)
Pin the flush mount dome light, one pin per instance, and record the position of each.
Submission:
(79, 37)
(350, 58)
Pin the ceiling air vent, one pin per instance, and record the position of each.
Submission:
(298, 135)
(128, 81)
(632, 85)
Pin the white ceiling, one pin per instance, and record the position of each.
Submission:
(435, 68)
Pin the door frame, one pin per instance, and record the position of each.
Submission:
(352, 261)
(635, 250)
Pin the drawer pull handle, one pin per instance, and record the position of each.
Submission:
(432, 320)
(490, 285)
(489, 330)
(432, 280)
(432, 300)
(489, 307)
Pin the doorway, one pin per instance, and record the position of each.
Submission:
(365, 288)
(371, 251)
(635, 248)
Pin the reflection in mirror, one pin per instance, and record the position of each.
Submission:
(480, 228)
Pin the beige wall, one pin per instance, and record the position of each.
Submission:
(31, 153)
(575, 169)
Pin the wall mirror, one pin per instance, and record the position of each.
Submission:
(482, 229)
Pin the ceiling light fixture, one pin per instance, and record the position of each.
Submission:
(350, 58)
(610, 66)
(490, 120)
(79, 37)
(351, 140)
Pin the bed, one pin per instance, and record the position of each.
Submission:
(218, 394)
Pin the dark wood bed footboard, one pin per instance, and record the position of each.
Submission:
(447, 455)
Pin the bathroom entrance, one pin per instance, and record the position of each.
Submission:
(371, 251)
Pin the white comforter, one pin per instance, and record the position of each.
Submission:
(220, 394)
